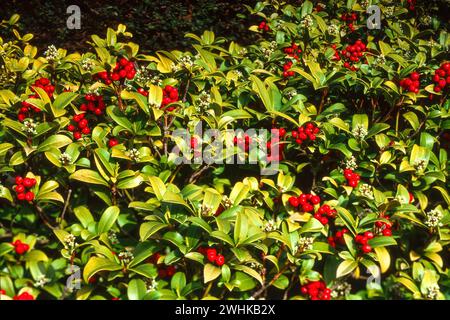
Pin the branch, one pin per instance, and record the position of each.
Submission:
(66, 204)
(44, 217)
(198, 173)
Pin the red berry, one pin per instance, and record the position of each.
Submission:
(293, 201)
(29, 196)
(366, 248)
(21, 196)
(19, 180)
(20, 188)
(27, 182)
(220, 260)
(315, 199)
(414, 76)
(71, 128)
(82, 124)
(77, 135)
(353, 183)
(211, 254)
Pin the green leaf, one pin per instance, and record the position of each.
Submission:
(89, 176)
(210, 272)
(56, 141)
(96, 264)
(136, 289)
(108, 219)
(346, 267)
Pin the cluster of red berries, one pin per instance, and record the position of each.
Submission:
(112, 142)
(286, 69)
(20, 247)
(246, 139)
(353, 53)
(277, 144)
(25, 110)
(293, 51)
(411, 83)
(325, 212)
(351, 177)
(170, 95)
(338, 237)
(316, 290)
(441, 77)
(163, 270)
(349, 18)
(305, 132)
(143, 92)
(306, 201)
(123, 69)
(23, 296)
(22, 188)
(264, 26)
(212, 256)
(94, 104)
(362, 240)
(385, 228)
(411, 4)
(337, 56)
(79, 126)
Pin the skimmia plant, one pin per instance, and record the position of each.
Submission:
(96, 204)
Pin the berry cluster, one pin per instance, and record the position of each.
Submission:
(336, 56)
(79, 126)
(411, 4)
(349, 18)
(305, 132)
(22, 188)
(163, 270)
(338, 237)
(306, 201)
(351, 177)
(277, 144)
(124, 69)
(23, 296)
(25, 110)
(316, 290)
(212, 256)
(362, 240)
(239, 141)
(286, 69)
(264, 26)
(170, 95)
(441, 77)
(352, 54)
(94, 103)
(411, 83)
(323, 213)
(385, 228)
(20, 247)
(293, 51)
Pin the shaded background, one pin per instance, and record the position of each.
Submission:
(155, 24)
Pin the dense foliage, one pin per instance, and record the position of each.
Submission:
(358, 209)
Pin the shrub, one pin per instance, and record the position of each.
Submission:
(91, 183)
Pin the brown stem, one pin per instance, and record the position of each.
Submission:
(44, 217)
(66, 204)
(198, 173)
(275, 278)
(322, 100)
